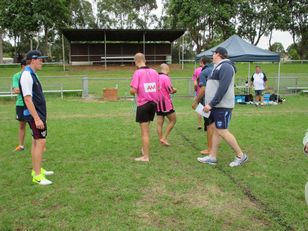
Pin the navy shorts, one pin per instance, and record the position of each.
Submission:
(38, 133)
(146, 112)
(160, 113)
(20, 113)
(221, 117)
(258, 92)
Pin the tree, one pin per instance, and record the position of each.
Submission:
(298, 26)
(126, 13)
(278, 48)
(18, 21)
(206, 21)
(51, 16)
(81, 14)
(257, 18)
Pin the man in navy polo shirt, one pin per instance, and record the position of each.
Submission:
(35, 113)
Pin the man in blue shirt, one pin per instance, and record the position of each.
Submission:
(205, 73)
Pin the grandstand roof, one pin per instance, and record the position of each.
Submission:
(122, 34)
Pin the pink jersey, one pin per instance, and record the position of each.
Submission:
(196, 76)
(145, 81)
(164, 91)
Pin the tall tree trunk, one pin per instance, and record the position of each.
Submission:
(1, 47)
(46, 40)
(270, 39)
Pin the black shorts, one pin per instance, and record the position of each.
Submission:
(20, 113)
(221, 117)
(259, 92)
(206, 123)
(146, 112)
(160, 113)
(37, 133)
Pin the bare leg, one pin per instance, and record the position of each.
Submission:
(306, 147)
(209, 141)
(22, 133)
(172, 120)
(230, 139)
(37, 153)
(199, 121)
(216, 139)
(145, 136)
(160, 123)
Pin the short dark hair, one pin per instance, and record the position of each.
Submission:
(23, 62)
(205, 60)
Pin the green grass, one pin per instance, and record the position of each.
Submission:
(98, 186)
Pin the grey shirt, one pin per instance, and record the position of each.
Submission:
(219, 91)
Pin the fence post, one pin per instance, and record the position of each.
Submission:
(190, 93)
(85, 87)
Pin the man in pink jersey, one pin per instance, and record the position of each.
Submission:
(144, 84)
(165, 106)
(195, 79)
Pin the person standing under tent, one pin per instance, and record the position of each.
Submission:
(258, 81)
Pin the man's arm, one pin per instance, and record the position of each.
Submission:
(30, 106)
(15, 85)
(132, 91)
(16, 90)
(198, 97)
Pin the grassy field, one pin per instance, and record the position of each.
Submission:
(97, 185)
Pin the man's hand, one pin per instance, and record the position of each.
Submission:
(39, 124)
(194, 105)
(207, 108)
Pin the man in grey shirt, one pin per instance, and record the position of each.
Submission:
(219, 100)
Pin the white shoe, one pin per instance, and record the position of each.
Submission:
(238, 161)
(41, 180)
(207, 160)
(45, 182)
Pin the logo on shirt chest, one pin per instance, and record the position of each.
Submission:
(149, 87)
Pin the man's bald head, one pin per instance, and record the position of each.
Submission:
(164, 68)
(139, 59)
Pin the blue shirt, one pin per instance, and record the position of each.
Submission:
(205, 73)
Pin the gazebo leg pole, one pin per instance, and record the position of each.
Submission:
(278, 87)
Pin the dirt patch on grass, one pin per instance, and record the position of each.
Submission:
(203, 198)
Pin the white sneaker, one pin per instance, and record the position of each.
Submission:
(41, 180)
(207, 160)
(45, 182)
(238, 161)
(47, 173)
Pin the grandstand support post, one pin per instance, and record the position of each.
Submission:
(63, 52)
(144, 42)
(278, 81)
(85, 87)
(105, 49)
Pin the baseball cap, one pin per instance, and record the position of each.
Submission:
(35, 54)
(23, 62)
(222, 51)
